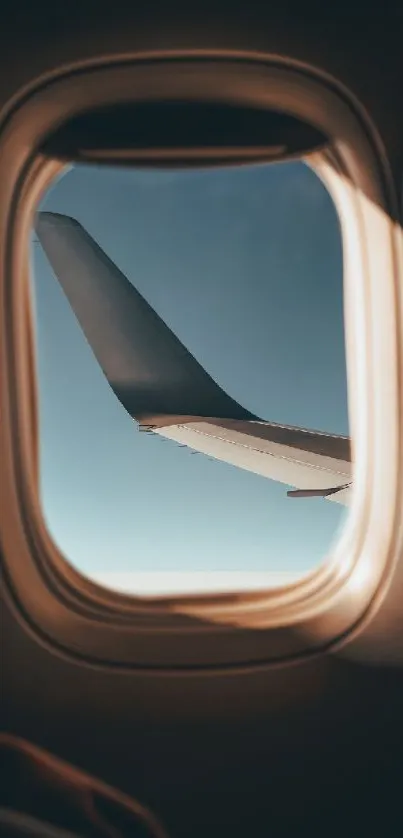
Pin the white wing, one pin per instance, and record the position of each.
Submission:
(164, 387)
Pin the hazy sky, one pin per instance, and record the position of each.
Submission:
(245, 266)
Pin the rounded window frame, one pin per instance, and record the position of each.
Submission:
(325, 608)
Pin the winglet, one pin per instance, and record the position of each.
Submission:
(153, 375)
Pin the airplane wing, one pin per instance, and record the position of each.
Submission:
(165, 389)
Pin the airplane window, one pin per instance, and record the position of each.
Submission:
(191, 374)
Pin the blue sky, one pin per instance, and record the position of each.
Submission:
(245, 265)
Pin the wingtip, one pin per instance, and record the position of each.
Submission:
(54, 219)
(151, 372)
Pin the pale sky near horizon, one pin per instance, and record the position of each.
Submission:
(245, 265)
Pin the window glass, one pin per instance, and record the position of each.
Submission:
(244, 265)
